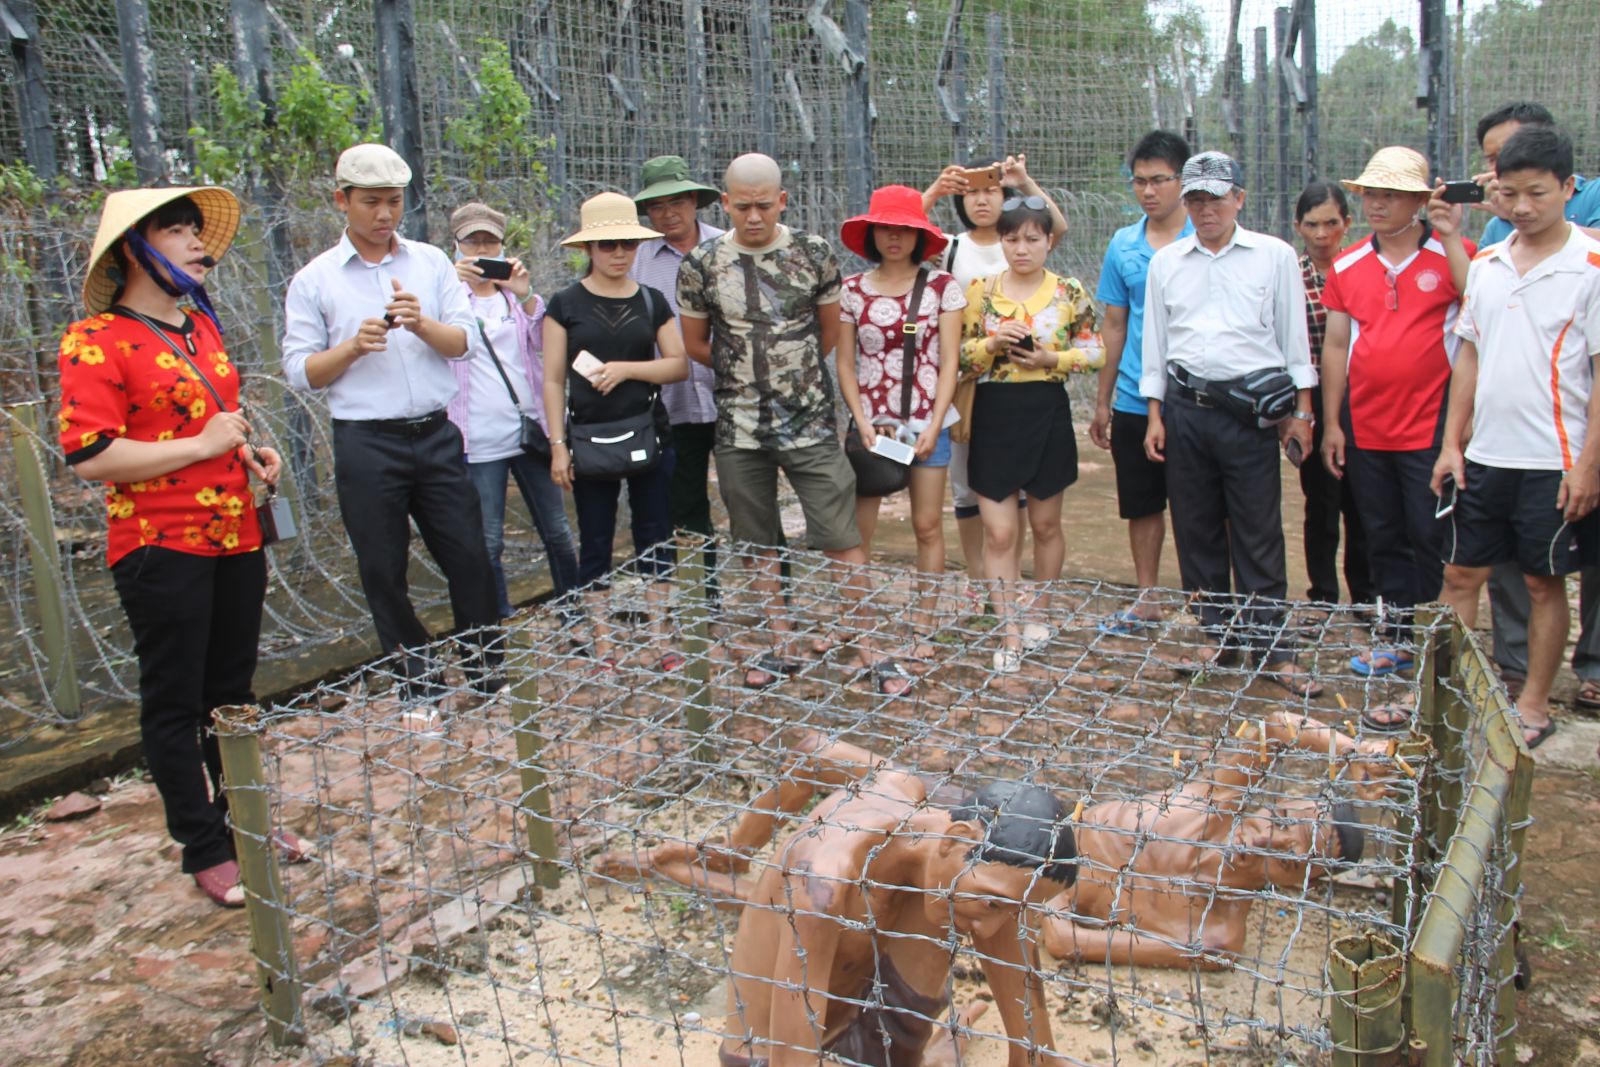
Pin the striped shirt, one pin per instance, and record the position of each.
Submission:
(656, 265)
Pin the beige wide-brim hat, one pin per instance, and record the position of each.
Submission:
(1402, 169)
(219, 211)
(609, 217)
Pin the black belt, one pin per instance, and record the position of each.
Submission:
(1188, 392)
(421, 426)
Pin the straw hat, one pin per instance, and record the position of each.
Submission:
(893, 205)
(219, 210)
(666, 176)
(1397, 167)
(609, 217)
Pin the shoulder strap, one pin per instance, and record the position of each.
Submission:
(649, 306)
(516, 401)
(950, 252)
(909, 329)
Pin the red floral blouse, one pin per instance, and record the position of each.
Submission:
(118, 380)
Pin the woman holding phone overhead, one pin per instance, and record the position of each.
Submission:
(601, 335)
(1019, 332)
(150, 406)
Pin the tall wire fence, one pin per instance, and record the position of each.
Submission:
(533, 106)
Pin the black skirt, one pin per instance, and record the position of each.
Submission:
(1022, 440)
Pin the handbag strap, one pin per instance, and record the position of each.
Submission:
(909, 350)
(516, 401)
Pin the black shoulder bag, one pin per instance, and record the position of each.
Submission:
(274, 515)
(879, 475)
(531, 437)
(621, 448)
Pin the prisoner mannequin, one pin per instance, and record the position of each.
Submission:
(868, 892)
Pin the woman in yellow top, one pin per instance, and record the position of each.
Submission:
(1020, 332)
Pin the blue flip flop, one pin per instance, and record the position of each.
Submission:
(1126, 624)
(1381, 661)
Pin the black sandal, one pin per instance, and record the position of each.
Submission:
(886, 671)
(770, 664)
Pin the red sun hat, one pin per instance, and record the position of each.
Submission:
(893, 205)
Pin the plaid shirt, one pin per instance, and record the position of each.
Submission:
(1316, 314)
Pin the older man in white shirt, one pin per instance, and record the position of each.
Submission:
(1226, 349)
(372, 324)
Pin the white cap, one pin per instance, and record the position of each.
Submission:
(371, 166)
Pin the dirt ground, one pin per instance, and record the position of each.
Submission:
(108, 955)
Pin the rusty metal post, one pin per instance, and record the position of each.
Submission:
(238, 728)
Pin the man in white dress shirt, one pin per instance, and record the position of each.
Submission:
(371, 324)
(1225, 305)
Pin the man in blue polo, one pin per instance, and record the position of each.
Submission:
(1121, 415)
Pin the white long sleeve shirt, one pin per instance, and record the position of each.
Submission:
(328, 299)
(1224, 314)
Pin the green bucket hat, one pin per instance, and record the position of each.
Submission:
(669, 176)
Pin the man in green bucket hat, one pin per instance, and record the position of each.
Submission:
(671, 201)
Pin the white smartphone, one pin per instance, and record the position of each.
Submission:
(1447, 498)
(889, 448)
(587, 365)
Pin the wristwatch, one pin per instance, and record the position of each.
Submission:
(1304, 416)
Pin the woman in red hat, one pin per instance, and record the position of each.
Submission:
(895, 234)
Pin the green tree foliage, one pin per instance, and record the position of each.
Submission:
(501, 146)
(1368, 100)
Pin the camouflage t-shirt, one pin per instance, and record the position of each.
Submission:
(773, 389)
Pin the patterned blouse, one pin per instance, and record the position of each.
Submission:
(119, 380)
(880, 345)
(1316, 314)
(1060, 314)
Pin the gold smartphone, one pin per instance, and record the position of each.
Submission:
(982, 177)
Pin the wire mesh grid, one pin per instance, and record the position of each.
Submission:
(1226, 836)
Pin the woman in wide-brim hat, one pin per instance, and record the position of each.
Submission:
(629, 329)
(150, 406)
(874, 309)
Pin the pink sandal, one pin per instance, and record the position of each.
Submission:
(292, 849)
(221, 884)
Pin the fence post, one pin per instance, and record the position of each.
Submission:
(761, 76)
(858, 128)
(49, 592)
(1516, 831)
(694, 39)
(1308, 71)
(1280, 180)
(1260, 206)
(33, 95)
(534, 804)
(692, 578)
(139, 90)
(995, 38)
(1430, 79)
(396, 31)
(250, 811)
(1366, 973)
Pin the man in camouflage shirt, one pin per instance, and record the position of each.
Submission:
(760, 306)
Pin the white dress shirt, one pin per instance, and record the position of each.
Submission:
(332, 294)
(1225, 314)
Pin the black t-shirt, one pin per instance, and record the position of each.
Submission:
(612, 331)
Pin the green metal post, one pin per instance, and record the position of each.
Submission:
(49, 592)
(535, 800)
(696, 641)
(238, 729)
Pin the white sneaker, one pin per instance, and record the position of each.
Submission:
(1007, 661)
(1035, 635)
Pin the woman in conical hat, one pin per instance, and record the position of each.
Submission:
(150, 406)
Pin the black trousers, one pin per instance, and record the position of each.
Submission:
(1328, 499)
(196, 624)
(689, 495)
(384, 481)
(1226, 499)
(1405, 543)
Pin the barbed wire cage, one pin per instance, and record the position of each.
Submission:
(474, 894)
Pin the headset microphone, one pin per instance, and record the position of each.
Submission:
(208, 262)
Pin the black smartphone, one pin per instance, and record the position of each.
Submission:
(498, 270)
(1465, 191)
(1447, 498)
(1026, 342)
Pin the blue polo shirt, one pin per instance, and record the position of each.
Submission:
(1122, 285)
(1583, 208)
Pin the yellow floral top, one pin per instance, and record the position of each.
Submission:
(119, 380)
(1060, 314)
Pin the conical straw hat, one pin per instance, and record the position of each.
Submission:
(218, 207)
(1402, 169)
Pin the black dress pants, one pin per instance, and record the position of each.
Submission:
(1405, 543)
(384, 481)
(1328, 499)
(1226, 498)
(196, 624)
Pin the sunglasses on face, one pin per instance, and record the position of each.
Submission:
(609, 245)
(1032, 203)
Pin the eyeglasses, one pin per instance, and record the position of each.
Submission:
(1159, 181)
(1392, 298)
(626, 244)
(1032, 203)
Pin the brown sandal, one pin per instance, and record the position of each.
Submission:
(221, 884)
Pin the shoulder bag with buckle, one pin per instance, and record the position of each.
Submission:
(879, 475)
(274, 514)
(530, 436)
(621, 448)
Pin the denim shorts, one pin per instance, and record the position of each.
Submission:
(940, 456)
